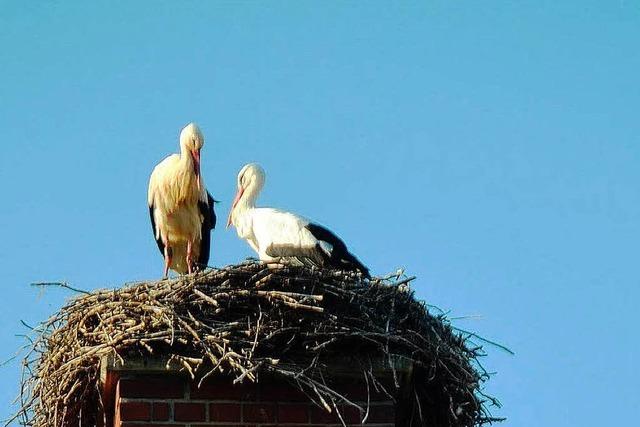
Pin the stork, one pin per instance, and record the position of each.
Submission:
(273, 233)
(180, 207)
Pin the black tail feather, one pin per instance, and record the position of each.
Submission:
(350, 260)
(208, 224)
(340, 257)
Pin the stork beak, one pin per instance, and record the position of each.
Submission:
(235, 202)
(196, 165)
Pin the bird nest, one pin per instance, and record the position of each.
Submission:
(249, 320)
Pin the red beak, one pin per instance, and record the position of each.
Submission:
(235, 202)
(196, 165)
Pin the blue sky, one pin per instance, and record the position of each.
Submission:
(490, 148)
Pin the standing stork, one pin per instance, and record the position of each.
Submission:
(180, 207)
(273, 233)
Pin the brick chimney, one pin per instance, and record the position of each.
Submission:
(144, 393)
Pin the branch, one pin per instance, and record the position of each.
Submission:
(60, 285)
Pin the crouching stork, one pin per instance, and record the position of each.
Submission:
(273, 233)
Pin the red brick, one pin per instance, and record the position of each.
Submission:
(351, 415)
(259, 412)
(224, 412)
(223, 390)
(221, 425)
(152, 387)
(381, 414)
(293, 413)
(189, 411)
(279, 391)
(322, 416)
(160, 411)
(151, 425)
(355, 392)
(135, 411)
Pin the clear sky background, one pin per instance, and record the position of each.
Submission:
(489, 147)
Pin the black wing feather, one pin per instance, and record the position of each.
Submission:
(208, 224)
(155, 232)
(340, 257)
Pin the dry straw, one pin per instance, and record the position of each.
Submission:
(251, 319)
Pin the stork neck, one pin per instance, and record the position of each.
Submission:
(185, 156)
(248, 200)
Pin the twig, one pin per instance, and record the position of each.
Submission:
(61, 285)
(500, 346)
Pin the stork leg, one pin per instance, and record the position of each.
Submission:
(167, 259)
(189, 262)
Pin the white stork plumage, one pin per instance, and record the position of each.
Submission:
(273, 233)
(180, 207)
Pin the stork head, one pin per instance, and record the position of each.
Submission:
(250, 181)
(191, 142)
